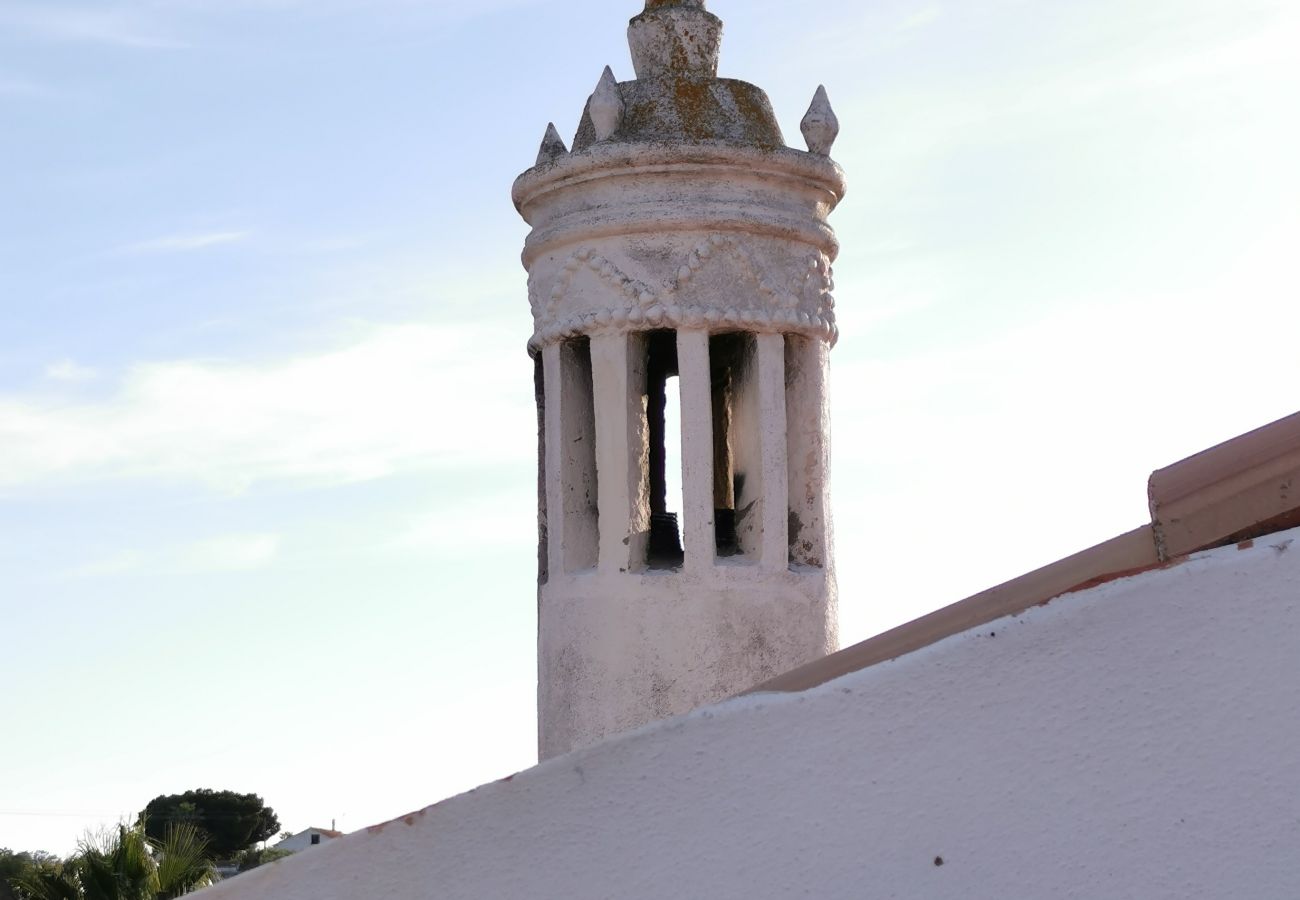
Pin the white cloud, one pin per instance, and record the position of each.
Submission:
(21, 87)
(154, 24)
(1138, 58)
(927, 15)
(229, 553)
(509, 519)
(223, 553)
(123, 562)
(441, 11)
(186, 243)
(69, 370)
(1269, 48)
(105, 24)
(398, 398)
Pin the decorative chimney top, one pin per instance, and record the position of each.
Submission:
(696, 159)
(675, 39)
(677, 96)
(679, 248)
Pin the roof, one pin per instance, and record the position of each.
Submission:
(1065, 755)
(324, 832)
(1232, 493)
(1240, 489)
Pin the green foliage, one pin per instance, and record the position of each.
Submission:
(16, 866)
(252, 858)
(117, 867)
(183, 863)
(230, 822)
(46, 884)
(124, 865)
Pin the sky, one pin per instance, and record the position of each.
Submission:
(267, 487)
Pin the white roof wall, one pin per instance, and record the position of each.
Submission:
(1139, 739)
(302, 840)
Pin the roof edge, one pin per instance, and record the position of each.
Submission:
(1127, 554)
(1239, 490)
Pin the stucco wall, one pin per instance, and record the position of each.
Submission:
(302, 841)
(1137, 740)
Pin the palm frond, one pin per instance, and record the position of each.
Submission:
(117, 867)
(183, 863)
(47, 885)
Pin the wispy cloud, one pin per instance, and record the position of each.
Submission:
(22, 87)
(924, 16)
(159, 24)
(123, 562)
(112, 24)
(223, 553)
(399, 398)
(70, 371)
(185, 243)
(504, 517)
(229, 553)
(1075, 114)
(439, 11)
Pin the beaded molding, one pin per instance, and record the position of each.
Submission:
(799, 299)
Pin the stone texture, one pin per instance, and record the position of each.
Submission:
(605, 109)
(680, 209)
(552, 146)
(675, 40)
(736, 236)
(688, 111)
(820, 127)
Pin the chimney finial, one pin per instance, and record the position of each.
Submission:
(675, 38)
(606, 106)
(820, 127)
(552, 146)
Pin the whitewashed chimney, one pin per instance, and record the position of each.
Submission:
(679, 246)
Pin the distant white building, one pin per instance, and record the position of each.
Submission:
(309, 838)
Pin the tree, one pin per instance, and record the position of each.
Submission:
(230, 822)
(116, 867)
(125, 866)
(183, 862)
(252, 858)
(15, 866)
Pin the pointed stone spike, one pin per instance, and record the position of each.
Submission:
(606, 106)
(552, 146)
(819, 126)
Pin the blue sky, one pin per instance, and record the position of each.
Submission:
(266, 437)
